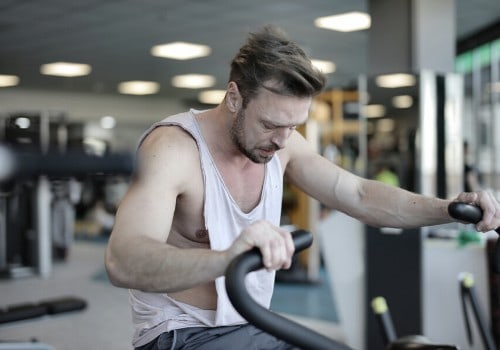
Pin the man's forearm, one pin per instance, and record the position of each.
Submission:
(151, 266)
(388, 206)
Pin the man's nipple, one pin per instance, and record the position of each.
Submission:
(201, 233)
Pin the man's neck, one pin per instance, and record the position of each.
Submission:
(215, 125)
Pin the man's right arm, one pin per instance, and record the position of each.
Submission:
(137, 254)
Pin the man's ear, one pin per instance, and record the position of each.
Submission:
(233, 97)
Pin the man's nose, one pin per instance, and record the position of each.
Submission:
(281, 136)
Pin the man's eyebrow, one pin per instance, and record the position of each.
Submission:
(276, 125)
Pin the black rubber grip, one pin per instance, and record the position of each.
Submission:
(270, 322)
(473, 214)
(465, 212)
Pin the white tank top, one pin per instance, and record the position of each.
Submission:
(155, 313)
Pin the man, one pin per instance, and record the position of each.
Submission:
(209, 187)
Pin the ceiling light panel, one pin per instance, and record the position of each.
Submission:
(402, 101)
(8, 80)
(395, 80)
(374, 111)
(212, 97)
(138, 87)
(65, 69)
(180, 50)
(326, 67)
(346, 22)
(193, 81)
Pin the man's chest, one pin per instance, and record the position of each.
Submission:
(244, 188)
(244, 185)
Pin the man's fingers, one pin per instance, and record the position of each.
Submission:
(289, 249)
(468, 197)
(277, 251)
(489, 205)
(275, 244)
(491, 212)
(265, 250)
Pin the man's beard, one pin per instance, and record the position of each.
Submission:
(237, 137)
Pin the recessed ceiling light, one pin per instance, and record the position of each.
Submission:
(373, 111)
(385, 125)
(22, 122)
(8, 80)
(402, 101)
(211, 97)
(180, 50)
(65, 69)
(193, 81)
(395, 80)
(346, 22)
(108, 122)
(326, 67)
(138, 87)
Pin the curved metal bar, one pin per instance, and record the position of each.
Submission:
(270, 322)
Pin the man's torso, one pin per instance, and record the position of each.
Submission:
(188, 228)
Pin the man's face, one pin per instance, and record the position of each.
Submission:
(268, 120)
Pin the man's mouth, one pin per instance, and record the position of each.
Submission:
(268, 151)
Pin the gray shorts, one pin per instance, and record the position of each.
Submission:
(242, 337)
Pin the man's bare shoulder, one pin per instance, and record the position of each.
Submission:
(168, 152)
(167, 137)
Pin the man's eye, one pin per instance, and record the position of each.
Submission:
(275, 127)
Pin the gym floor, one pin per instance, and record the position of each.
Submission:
(106, 322)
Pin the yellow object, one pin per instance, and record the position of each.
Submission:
(467, 280)
(379, 305)
(388, 177)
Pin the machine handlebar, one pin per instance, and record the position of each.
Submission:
(17, 164)
(473, 214)
(270, 322)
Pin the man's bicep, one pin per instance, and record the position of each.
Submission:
(322, 179)
(148, 206)
(146, 212)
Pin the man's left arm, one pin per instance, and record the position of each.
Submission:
(374, 202)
